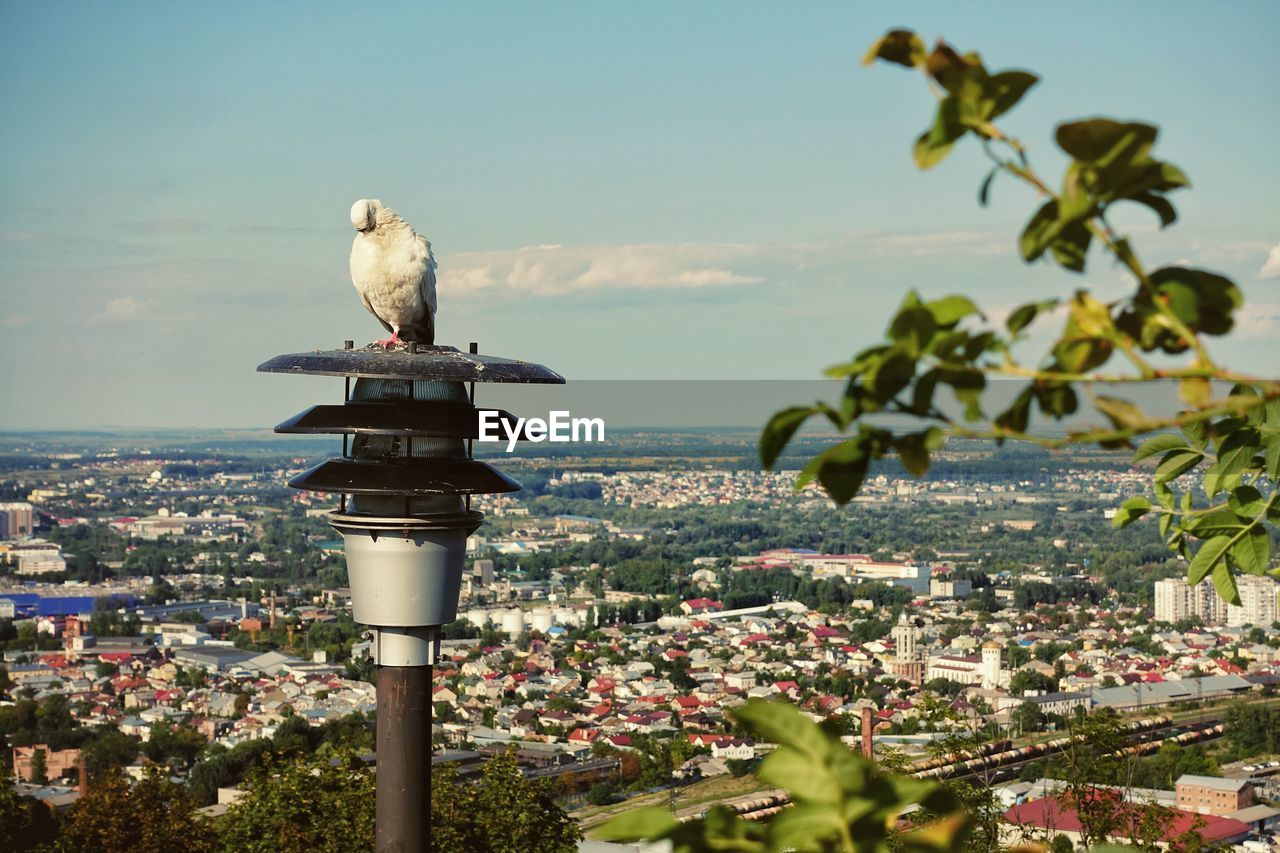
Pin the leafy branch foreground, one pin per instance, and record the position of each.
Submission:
(840, 800)
(1222, 521)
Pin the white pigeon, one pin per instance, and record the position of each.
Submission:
(394, 272)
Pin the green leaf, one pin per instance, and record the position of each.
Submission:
(1071, 245)
(1205, 301)
(952, 70)
(950, 310)
(901, 47)
(967, 386)
(1237, 450)
(940, 836)
(911, 452)
(1225, 583)
(804, 826)
(1197, 433)
(861, 362)
(922, 393)
(1220, 522)
(807, 779)
(984, 189)
(1158, 444)
(1252, 552)
(1007, 88)
(1246, 502)
(649, 823)
(1017, 417)
(1273, 456)
(1213, 480)
(1039, 231)
(1161, 205)
(779, 431)
(1130, 511)
(1175, 463)
(1102, 140)
(1171, 176)
(783, 724)
(894, 372)
(1024, 315)
(936, 143)
(913, 328)
(1123, 414)
(1211, 553)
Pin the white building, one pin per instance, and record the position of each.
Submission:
(904, 639)
(981, 669)
(1257, 603)
(1175, 600)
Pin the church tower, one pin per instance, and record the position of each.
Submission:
(991, 653)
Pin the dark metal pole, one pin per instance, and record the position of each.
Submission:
(404, 759)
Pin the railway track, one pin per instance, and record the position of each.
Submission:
(1001, 758)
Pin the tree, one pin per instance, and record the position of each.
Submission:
(1029, 717)
(109, 750)
(1029, 679)
(39, 769)
(521, 814)
(176, 746)
(303, 805)
(25, 822)
(503, 813)
(149, 817)
(1092, 760)
(1232, 441)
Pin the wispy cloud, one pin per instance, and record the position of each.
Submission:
(553, 270)
(558, 270)
(1271, 267)
(12, 321)
(946, 242)
(123, 308)
(1259, 320)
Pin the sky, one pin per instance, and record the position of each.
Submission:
(618, 191)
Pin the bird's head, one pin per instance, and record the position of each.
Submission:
(364, 214)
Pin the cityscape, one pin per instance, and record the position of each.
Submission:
(563, 427)
(612, 618)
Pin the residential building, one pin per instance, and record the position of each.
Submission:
(1175, 600)
(57, 762)
(1257, 603)
(1212, 794)
(16, 519)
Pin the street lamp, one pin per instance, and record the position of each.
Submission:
(406, 477)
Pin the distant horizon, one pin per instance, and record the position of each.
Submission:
(730, 194)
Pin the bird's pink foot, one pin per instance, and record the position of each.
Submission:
(389, 342)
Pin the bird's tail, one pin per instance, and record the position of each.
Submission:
(421, 332)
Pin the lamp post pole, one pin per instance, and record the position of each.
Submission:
(406, 477)
(404, 737)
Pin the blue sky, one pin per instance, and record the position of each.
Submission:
(659, 190)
